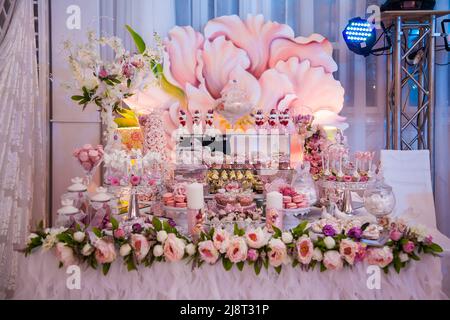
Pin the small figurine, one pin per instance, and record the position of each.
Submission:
(285, 120)
(209, 123)
(259, 119)
(197, 128)
(273, 119)
(182, 126)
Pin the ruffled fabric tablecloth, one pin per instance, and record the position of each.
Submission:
(42, 279)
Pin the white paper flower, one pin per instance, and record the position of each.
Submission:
(191, 249)
(79, 236)
(158, 250)
(161, 236)
(329, 242)
(287, 237)
(125, 250)
(87, 250)
(317, 255)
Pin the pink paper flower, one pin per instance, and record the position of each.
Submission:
(119, 233)
(208, 252)
(409, 247)
(277, 253)
(237, 250)
(65, 254)
(174, 248)
(305, 250)
(428, 240)
(348, 250)
(114, 181)
(252, 255)
(135, 180)
(395, 235)
(105, 251)
(140, 245)
(256, 238)
(83, 156)
(333, 260)
(221, 239)
(87, 166)
(380, 256)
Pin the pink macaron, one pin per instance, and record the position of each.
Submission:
(181, 205)
(301, 205)
(170, 203)
(298, 199)
(180, 198)
(287, 199)
(167, 196)
(291, 206)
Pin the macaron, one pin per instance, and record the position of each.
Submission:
(167, 196)
(170, 203)
(298, 199)
(287, 199)
(302, 205)
(181, 205)
(180, 198)
(291, 206)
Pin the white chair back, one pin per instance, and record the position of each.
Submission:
(408, 173)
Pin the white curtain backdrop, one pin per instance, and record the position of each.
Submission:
(22, 151)
(362, 78)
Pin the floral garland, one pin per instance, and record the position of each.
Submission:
(157, 241)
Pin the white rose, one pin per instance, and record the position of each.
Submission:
(79, 236)
(256, 238)
(317, 255)
(87, 250)
(161, 236)
(158, 250)
(190, 249)
(403, 257)
(329, 242)
(125, 250)
(287, 237)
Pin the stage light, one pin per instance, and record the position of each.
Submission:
(360, 36)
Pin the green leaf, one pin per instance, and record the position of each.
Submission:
(295, 263)
(414, 256)
(298, 230)
(278, 269)
(436, 248)
(240, 265)
(138, 41)
(237, 231)
(397, 264)
(130, 264)
(266, 263)
(364, 226)
(166, 227)
(115, 223)
(129, 83)
(156, 224)
(258, 266)
(105, 268)
(322, 267)
(77, 98)
(277, 232)
(126, 123)
(97, 232)
(227, 264)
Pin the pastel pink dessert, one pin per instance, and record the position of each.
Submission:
(170, 203)
(298, 199)
(287, 199)
(167, 196)
(291, 206)
(302, 205)
(180, 198)
(181, 205)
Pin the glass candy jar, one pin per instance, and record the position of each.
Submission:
(303, 183)
(379, 199)
(68, 214)
(77, 192)
(100, 208)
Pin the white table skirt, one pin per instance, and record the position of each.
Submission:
(40, 278)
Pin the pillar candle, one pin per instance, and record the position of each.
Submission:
(194, 194)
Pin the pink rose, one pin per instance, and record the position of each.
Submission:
(174, 248)
(105, 251)
(87, 147)
(135, 180)
(237, 249)
(348, 249)
(208, 252)
(119, 233)
(83, 156)
(103, 73)
(256, 238)
(428, 240)
(114, 181)
(93, 154)
(348, 179)
(305, 250)
(332, 260)
(76, 152)
(395, 235)
(278, 253)
(361, 252)
(252, 255)
(65, 254)
(221, 240)
(409, 247)
(140, 245)
(87, 166)
(380, 256)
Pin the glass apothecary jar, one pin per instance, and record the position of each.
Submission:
(379, 199)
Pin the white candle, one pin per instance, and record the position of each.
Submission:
(194, 194)
(274, 200)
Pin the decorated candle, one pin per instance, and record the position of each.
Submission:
(274, 210)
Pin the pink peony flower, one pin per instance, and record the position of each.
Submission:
(305, 250)
(103, 73)
(174, 248)
(87, 166)
(105, 251)
(114, 181)
(428, 240)
(119, 233)
(221, 240)
(140, 245)
(83, 156)
(409, 247)
(278, 253)
(333, 260)
(256, 238)
(135, 180)
(395, 235)
(65, 254)
(208, 252)
(380, 256)
(87, 147)
(237, 250)
(361, 252)
(348, 250)
(76, 152)
(252, 255)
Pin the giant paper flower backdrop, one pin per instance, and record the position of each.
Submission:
(273, 68)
